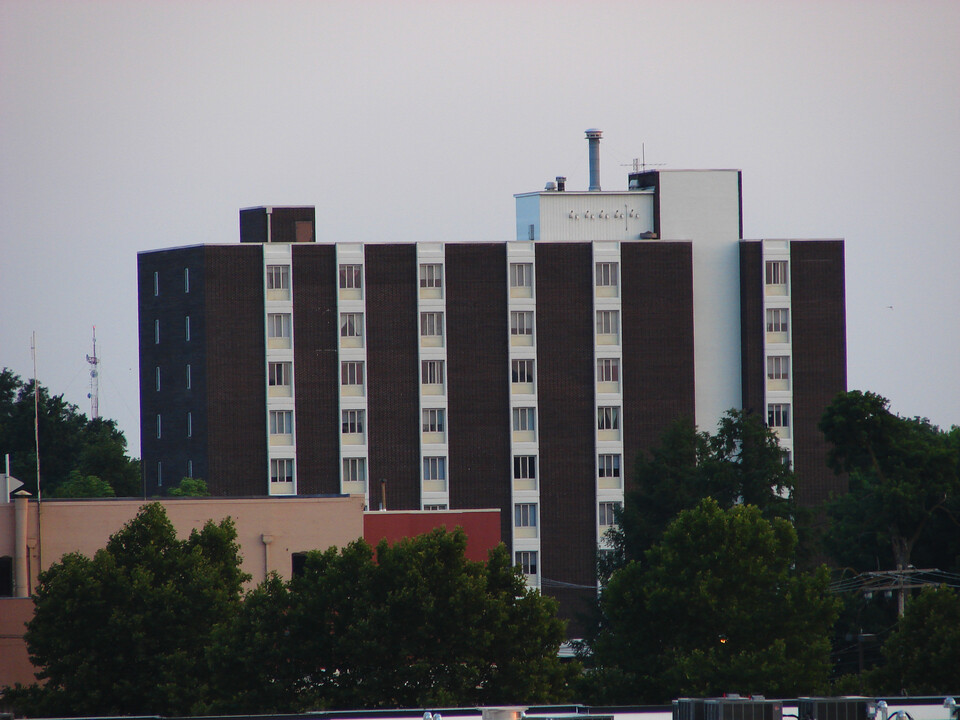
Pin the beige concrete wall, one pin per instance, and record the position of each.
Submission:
(269, 530)
(6, 530)
(15, 665)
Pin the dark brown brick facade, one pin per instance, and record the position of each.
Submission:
(478, 377)
(752, 328)
(317, 368)
(393, 379)
(280, 225)
(227, 397)
(564, 327)
(235, 371)
(170, 306)
(658, 358)
(819, 359)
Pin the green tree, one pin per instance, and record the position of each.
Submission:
(83, 486)
(741, 463)
(903, 504)
(190, 487)
(104, 453)
(414, 625)
(923, 653)
(717, 605)
(68, 441)
(125, 632)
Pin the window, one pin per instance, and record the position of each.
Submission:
(190, 425)
(778, 320)
(189, 379)
(785, 458)
(608, 370)
(278, 325)
(431, 372)
(521, 275)
(521, 322)
(156, 284)
(776, 272)
(608, 466)
(431, 276)
(281, 422)
(778, 415)
(351, 325)
(608, 512)
(434, 468)
(431, 324)
(354, 470)
(352, 421)
(607, 274)
(778, 367)
(281, 470)
(524, 419)
(156, 332)
(351, 372)
(525, 515)
(158, 425)
(278, 374)
(433, 420)
(522, 371)
(278, 277)
(434, 508)
(186, 280)
(608, 322)
(159, 473)
(524, 467)
(189, 468)
(526, 560)
(608, 418)
(158, 378)
(186, 328)
(351, 277)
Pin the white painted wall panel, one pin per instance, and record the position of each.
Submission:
(584, 216)
(704, 206)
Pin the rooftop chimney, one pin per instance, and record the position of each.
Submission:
(593, 137)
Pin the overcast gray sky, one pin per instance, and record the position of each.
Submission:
(127, 126)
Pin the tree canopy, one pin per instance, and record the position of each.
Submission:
(716, 606)
(923, 653)
(190, 487)
(126, 632)
(414, 624)
(69, 442)
(156, 625)
(741, 463)
(903, 504)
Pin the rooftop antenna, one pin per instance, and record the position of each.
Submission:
(640, 164)
(36, 444)
(94, 393)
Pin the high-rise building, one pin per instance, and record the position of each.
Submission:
(525, 375)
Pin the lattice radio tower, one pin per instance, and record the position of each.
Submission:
(94, 379)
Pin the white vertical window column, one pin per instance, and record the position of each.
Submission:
(434, 439)
(278, 317)
(608, 387)
(521, 323)
(778, 341)
(351, 306)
